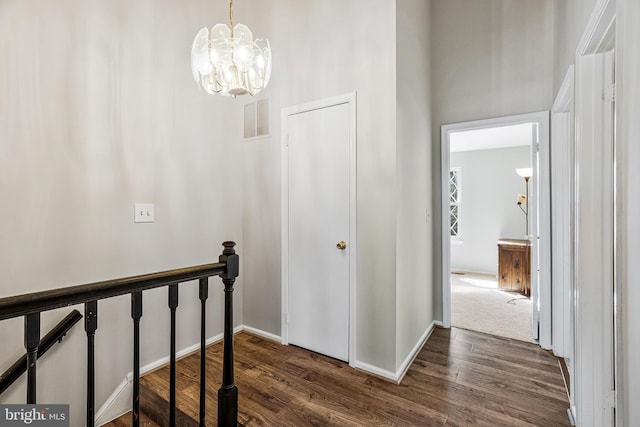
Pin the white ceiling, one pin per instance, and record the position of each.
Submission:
(489, 138)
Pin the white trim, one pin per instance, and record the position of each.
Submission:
(397, 376)
(402, 370)
(593, 243)
(622, 177)
(462, 271)
(378, 372)
(595, 367)
(542, 118)
(600, 30)
(263, 334)
(594, 255)
(349, 98)
(542, 189)
(445, 161)
(562, 143)
(563, 111)
(564, 99)
(112, 408)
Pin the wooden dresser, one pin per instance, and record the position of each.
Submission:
(514, 265)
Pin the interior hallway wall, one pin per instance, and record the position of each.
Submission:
(99, 110)
(414, 294)
(323, 49)
(490, 58)
(570, 20)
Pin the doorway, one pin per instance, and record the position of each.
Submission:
(318, 229)
(538, 216)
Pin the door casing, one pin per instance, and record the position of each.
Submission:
(597, 399)
(540, 292)
(350, 99)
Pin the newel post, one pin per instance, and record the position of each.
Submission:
(228, 393)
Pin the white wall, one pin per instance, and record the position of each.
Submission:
(490, 188)
(414, 248)
(113, 117)
(490, 58)
(322, 49)
(570, 20)
(98, 110)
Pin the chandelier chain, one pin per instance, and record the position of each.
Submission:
(231, 16)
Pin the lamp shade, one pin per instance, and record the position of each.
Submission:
(525, 172)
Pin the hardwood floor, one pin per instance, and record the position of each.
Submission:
(125, 421)
(460, 378)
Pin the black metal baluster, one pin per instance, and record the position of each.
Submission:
(228, 393)
(173, 304)
(31, 344)
(204, 294)
(90, 327)
(136, 314)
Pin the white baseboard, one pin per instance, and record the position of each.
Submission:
(414, 352)
(263, 334)
(438, 323)
(456, 271)
(402, 370)
(374, 370)
(571, 413)
(119, 402)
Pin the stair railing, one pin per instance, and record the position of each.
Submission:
(55, 335)
(31, 305)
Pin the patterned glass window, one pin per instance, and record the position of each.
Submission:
(454, 202)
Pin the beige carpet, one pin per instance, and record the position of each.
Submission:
(478, 305)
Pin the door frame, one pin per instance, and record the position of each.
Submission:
(286, 112)
(593, 392)
(541, 292)
(563, 144)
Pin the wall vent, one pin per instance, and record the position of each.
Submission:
(257, 119)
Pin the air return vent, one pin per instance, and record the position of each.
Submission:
(256, 119)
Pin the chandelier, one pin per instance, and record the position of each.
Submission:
(228, 61)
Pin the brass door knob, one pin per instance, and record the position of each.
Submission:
(341, 245)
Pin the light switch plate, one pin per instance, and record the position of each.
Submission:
(144, 212)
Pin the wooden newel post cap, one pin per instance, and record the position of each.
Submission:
(229, 248)
(232, 260)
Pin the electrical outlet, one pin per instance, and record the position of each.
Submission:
(144, 212)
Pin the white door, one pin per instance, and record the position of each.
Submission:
(319, 229)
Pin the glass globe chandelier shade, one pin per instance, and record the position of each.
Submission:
(227, 61)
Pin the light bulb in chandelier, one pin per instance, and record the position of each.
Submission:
(228, 61)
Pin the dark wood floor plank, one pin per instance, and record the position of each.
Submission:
(460, 378)
(125, 421)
